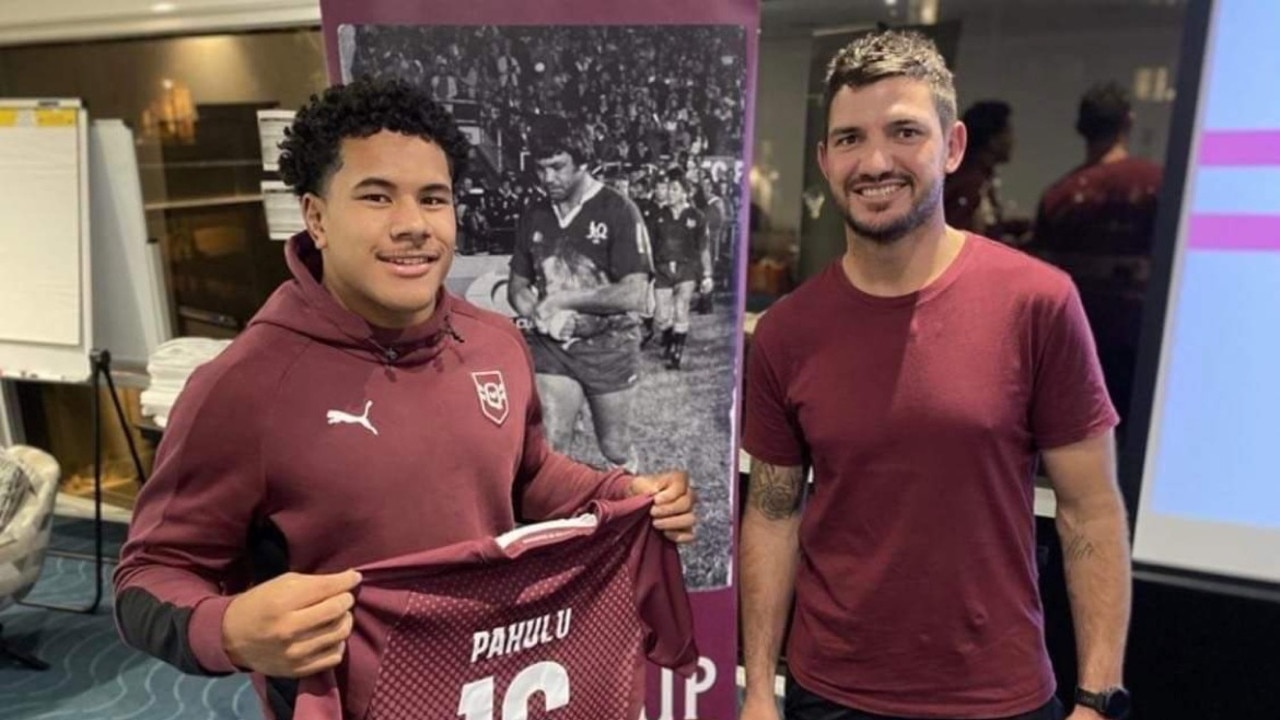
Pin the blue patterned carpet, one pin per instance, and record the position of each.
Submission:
(94, 676)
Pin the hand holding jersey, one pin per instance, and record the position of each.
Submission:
(673, 502)
(292, 626)
(557, 324)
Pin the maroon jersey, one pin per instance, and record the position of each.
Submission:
(596, 244)
(1104, 209)
(681, 236)
(557, 616)
(922, 416)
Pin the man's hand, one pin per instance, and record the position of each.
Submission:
(706, 285)
(552, 319)
(757, 708)
(1083, 713)
(292, 626)
(673, 502)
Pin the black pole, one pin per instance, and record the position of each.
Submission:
(101, 361)
(105, 357)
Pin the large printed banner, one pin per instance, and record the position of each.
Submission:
(656, 98)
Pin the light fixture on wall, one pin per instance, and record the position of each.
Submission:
(171, 117)
(927, 12)
(1153, 84)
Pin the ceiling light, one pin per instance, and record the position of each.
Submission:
(163, 7)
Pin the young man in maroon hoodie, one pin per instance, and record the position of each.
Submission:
(364, 414)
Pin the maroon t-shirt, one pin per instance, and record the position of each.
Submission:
(916, 591)
(1104, 209)
(552, 617)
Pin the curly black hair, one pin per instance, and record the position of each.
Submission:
(309, 154)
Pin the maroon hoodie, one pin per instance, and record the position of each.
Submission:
(317, 443)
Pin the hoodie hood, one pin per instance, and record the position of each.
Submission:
(303, 306)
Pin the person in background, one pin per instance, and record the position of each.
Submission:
(972, 198)
(1107, 205)
(682, 266)
(1098, 222)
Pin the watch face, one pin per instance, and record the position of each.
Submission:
(1117, 703)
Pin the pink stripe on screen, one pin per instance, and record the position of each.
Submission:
(1254, 147)
(1234, 232)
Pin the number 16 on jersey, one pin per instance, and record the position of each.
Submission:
(548, 678)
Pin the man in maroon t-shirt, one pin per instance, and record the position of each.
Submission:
(919, 377)
(1107, 206)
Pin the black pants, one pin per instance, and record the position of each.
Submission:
(804, 705)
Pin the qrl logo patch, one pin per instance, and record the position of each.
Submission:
(597, 232)
(493, 395)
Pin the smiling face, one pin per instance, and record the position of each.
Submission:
(886, 155)
(386, 227)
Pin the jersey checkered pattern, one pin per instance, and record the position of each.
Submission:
(556, 624)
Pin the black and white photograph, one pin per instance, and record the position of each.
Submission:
(601, 213)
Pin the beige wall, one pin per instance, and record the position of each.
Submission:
(119, 78)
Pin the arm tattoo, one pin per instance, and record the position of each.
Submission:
(1078, 547)
(776, 491)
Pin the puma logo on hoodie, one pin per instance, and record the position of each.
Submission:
(337, 416)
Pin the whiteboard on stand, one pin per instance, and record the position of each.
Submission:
(77, 272)
(45, 257)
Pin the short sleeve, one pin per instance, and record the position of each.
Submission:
(1069, 400)
(629, 249)
(771, 431)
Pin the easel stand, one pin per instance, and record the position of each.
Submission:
(101, 360)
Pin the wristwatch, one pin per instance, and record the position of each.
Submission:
(1112, 703)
